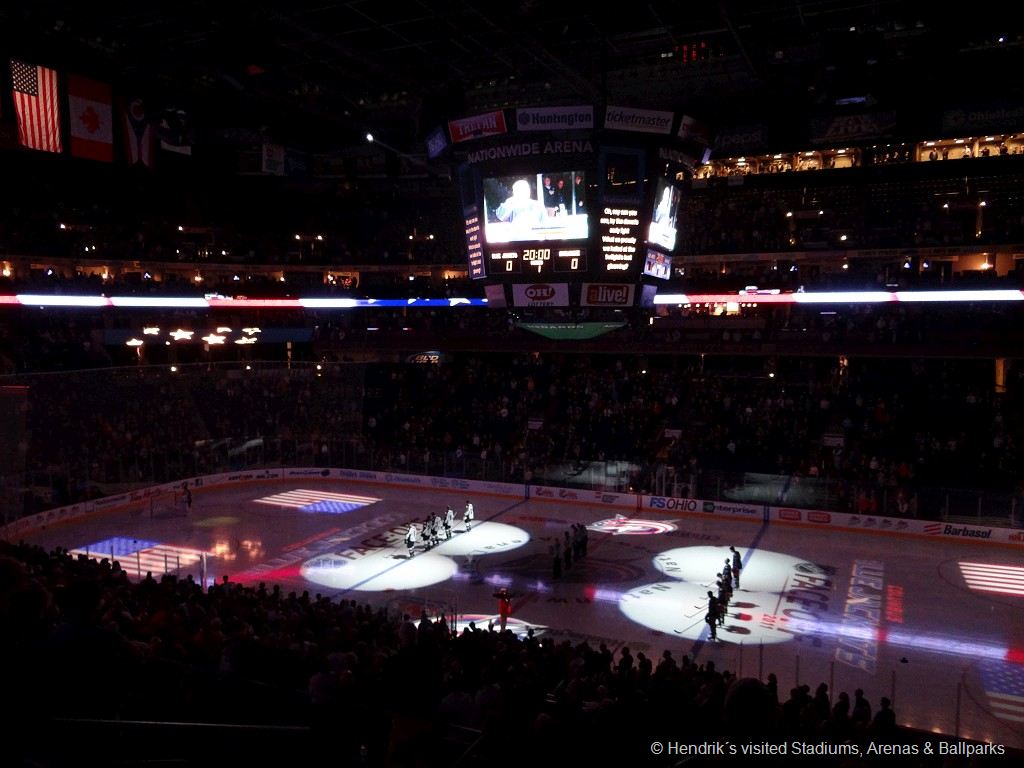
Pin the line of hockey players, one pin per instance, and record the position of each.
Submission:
(429, 533)
(573, 546)
(718, 605)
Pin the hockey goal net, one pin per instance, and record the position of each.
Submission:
(168, 504)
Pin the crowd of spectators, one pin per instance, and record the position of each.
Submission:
(121, 217)
(871, 428)
(777, 418)
(916, 208)
(208, 217)
(867, 330)
(132, 426)
(372, 684)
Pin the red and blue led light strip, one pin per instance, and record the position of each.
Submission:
(227, 302)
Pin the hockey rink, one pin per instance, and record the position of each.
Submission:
(937, 626)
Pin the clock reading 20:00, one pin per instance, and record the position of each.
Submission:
(537, 261)
(536, 257)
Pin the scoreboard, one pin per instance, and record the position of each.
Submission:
(575, 210)
(536, 260)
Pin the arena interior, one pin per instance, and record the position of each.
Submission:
(447, 384)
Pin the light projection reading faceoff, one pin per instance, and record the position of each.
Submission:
(382, 562)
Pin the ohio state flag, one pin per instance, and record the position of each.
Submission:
(91, 117)
(139, 134)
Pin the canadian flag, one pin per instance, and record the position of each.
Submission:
(91, 115)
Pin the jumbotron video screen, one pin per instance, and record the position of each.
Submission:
(552, 221)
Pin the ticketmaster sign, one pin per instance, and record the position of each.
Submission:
(638, 120)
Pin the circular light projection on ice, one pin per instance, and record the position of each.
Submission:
(678, 608)
(382, 562)
(378, 570)
(780, 596)
(483, 539)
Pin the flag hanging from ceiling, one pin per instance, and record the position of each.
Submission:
(138, 134)
(273, 159)
(35, 101)
(176, 132)
(91, 113)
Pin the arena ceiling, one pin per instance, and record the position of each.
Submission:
(320, 72)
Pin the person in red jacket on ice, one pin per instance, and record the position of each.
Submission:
(504, 606)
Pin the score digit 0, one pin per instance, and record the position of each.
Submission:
(571, 260)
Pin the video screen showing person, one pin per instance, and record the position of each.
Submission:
(662, 231)
(658, 265)
(541, 206)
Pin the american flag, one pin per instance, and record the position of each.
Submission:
(35, 100)
(137, 556)
(1004, 686)
(318, 501)
(1002, 579)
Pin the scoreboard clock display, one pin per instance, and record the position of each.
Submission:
(591, 226)
(536, 260)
